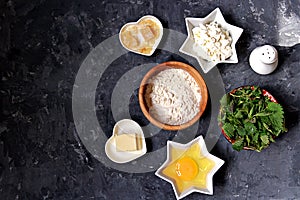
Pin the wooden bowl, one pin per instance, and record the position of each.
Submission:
(175, 65)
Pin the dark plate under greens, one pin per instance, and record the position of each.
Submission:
(250, 118)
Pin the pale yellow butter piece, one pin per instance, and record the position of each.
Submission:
(126, 142)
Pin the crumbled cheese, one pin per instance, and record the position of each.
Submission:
(173, 97)
(214, 40)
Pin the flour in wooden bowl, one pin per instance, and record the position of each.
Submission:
(173, 97)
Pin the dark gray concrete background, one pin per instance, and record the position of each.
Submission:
(44, 42)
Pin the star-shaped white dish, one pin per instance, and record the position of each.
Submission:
(204, 61)
(180, 150)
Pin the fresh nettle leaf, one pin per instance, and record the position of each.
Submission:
(239, 114)
(229, 129)
(225, 100)
(251, 112)
(248, 140)
(264, 139)
(255, 138)
(241, 131)
(250, 119)
(271, 139)
(238, 144)
(250, 128)
(262, 114)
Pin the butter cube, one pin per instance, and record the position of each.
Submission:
(127, 142)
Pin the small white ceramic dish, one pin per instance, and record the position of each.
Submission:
(156, 41)
(125, 126)
(188, 45)
(203, 151)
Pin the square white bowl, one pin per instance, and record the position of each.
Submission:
(205, 62)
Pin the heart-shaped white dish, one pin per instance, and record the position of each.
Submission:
(142, 37)
(125, 126)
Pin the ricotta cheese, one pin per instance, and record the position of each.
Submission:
(214, 40)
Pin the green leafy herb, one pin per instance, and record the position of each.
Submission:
(250, 119)
(238, 144)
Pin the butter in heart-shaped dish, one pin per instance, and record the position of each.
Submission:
(127, 142)
(142, 37)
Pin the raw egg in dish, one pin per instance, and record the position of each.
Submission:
(189, 167)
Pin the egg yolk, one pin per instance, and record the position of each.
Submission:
(186, 169)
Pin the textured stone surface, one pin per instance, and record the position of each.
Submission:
(44, 42)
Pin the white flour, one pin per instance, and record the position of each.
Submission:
(173, 96)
